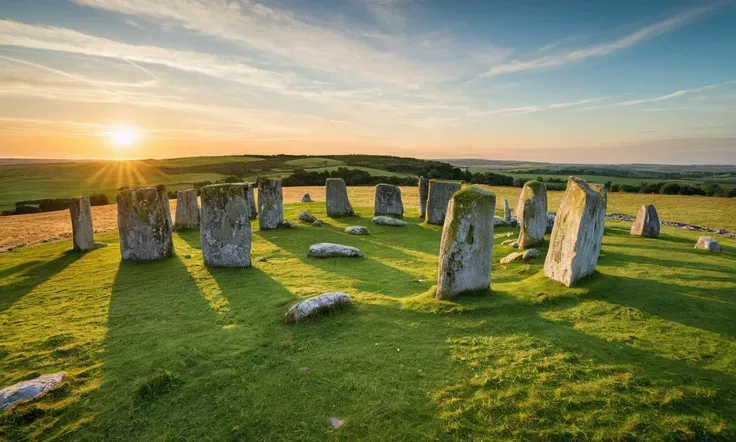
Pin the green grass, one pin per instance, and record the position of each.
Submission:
(643, 350)
(312, 162)
(370, 170)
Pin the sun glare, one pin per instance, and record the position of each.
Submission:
(123, 136)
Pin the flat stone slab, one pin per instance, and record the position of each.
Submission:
(708, 243)
(388, 221)
(330, 250)
(356, 230)
(317, 305)
(288, 224)
(308, 217)
(27, 390)
(511, 257)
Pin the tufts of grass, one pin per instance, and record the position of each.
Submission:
(157, 384)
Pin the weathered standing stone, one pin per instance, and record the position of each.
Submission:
(423, 195)
(387, 201)
(576, 238)
(317, 305)
(330, 250)
(144, 223)
(225, 232)
(466, 249)
(532, 213)
(440, 193)
(252, 210)
(27, 390)
(187, 210)
(506, 211)
(82, 231)
(708, 243)
(306, 198)
(270, 203)
(336, 198)
(646, 223)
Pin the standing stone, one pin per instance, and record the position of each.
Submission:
(646, 223)
(387, 201)
(187, 210)
(306, 198)
(144, 223)
(225, 229)
(270, 203)
(252, 211)
(423, 194)
(578, 232)
(440, 193)
(82, 230)
(336, 196)
(532, 213)
(466, 250)
(506, 211)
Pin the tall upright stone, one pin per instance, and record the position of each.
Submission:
(440, 193)
(336, 198)
(144, 223)
(270, 203)
(466, 250)
(83, 233)
(387, 201)
(506, 211)
(225, 232)
(252, 211)
(187, 210)
(578, 232)
(423, 195)
(646, 222)
(532, 214)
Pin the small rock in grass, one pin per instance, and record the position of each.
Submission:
(388, 221)
(508, 259)
(356, 230)
(317, 305)
(261, 259)
(330, 250)
(515, 244)
(288, 224)
(318, 223)
(308, 217)
(508, 242)
(26, 390)
(530, 254)
(305, 369)
(336, 423)
(306, 198)
(708, 243)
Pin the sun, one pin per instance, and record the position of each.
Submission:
(123, 136)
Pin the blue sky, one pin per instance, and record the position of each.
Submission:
(573, 81)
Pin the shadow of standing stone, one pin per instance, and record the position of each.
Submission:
(144, 223)
(225, 231)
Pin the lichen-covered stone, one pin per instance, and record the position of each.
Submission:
(270, 203)
(388, 221)
(144, 223)
(252, 210)
(532, 214)
(356, 230)
(387, 201)
(440, 193)
(498, 221)
(576, 239)
(336, 198)
(330, 250)
(318, 223)
(83, 233)
(27, 390)
(530, 254)
(308, 217)
(306, 198)
(466, 249)
(423, 195)
(506, 211)
(709, 244)
(225, 232)
(187, 210)
(316, 306)
(646, 222)
(511, 257)
(288, 224)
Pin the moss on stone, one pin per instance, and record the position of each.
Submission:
(218, 191)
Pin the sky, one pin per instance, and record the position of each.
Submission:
(564, 81)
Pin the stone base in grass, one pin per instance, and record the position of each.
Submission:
(316, 306)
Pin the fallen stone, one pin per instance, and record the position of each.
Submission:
(498, 221)
(466, 250)
(646, 223)
(306, 198)
(423, 194)
(356, 230)
(187, 210)
(270, 203)
(388, 221)
(438, 198)
(387, 201)
(308, 217)
(144, 223)
(532, 214)
(511, 257)
(336, 198)
(576, 239)
(318, 223)
(708, 243)
(330, 250)
(225, 231)
(508, 242)
(530, 254)
(82, 231)
(288, 224)
(317, 305)
(27, 390)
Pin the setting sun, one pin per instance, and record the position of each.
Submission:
(123, 136)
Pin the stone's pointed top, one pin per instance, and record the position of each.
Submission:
(588, 187)
(535, 185)
(473, 192)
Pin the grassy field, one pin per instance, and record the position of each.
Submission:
(643, 350)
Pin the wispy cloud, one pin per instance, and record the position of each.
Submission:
(664, 97)
(627, 41)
